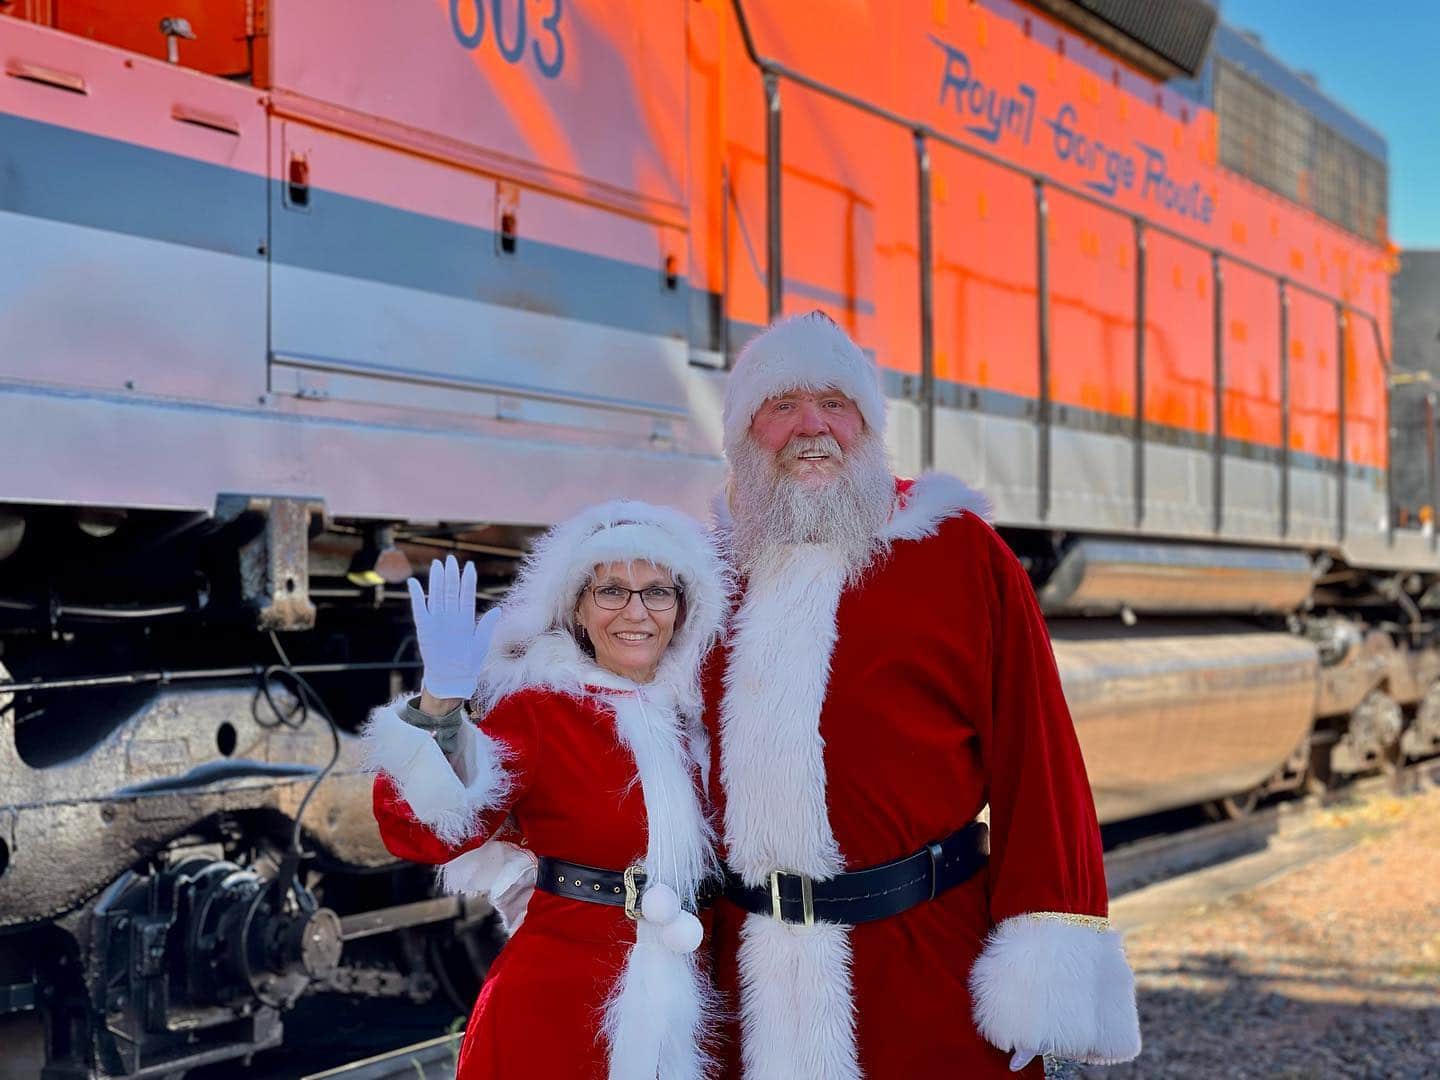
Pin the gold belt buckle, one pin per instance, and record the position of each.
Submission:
(632, 891)
(807, 896)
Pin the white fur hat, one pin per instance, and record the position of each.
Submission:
(533, 645)
(800, 352)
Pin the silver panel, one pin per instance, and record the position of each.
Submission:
(86, 307)
(148, 453)
(1313, 513)
(1170, 719)
(343, 338)
(996, 454)
(1103, 576)
(1092, 480)
(1252, 499)
(1409, 549)
(902, 437)
(1367, 517)
(1179, 491)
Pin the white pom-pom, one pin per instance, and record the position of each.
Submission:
(684, 934)
(660, 904)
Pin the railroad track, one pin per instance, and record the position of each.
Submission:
(1130, 867)
(433, 1059)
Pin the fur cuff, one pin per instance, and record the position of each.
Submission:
(1057, 985)
(502, 871)
(445, 793)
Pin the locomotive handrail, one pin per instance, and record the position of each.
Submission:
(773, 71)
(780, 70)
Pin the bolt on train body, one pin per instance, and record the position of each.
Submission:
(297, 294)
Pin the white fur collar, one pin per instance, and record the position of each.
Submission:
(934, 498)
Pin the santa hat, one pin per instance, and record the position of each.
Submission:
(801, 352)
(534, 645)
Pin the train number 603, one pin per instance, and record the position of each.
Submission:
(467, 19)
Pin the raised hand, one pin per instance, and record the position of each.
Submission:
(452, 645)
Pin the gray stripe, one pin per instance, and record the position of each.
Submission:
(62, 175)
(54, 173)
(339, 234)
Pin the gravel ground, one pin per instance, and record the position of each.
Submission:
(1330, 970)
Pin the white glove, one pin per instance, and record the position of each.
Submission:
(1021, 1058)
(452, 644)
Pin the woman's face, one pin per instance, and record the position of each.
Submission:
(630, 641)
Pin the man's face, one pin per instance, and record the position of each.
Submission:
(808, 433)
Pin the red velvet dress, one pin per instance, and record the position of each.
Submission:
(940, 695)
(573, 795)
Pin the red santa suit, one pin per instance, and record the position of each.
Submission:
(857, 723)
(572, 762)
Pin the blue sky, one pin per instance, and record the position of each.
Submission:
(1382, 62)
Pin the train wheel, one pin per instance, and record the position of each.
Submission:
(1234, 807)
(461, 959)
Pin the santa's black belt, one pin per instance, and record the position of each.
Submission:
(617, 888)
(877, 892)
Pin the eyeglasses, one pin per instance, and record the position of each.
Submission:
(617, 597)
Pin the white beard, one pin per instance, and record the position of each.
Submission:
(775, 513)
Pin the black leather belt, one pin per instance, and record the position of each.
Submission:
(617, 888)
(877, 892)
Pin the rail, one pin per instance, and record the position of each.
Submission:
(774, 73)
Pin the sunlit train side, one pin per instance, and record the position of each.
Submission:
(295, 295)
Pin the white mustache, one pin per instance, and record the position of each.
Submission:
(824, 443)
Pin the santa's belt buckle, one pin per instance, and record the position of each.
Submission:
(633, 888)
(807, 896)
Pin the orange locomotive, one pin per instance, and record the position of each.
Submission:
(297, 292)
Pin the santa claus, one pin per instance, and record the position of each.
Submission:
(886, 676)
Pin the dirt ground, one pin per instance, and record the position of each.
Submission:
(1330, 969)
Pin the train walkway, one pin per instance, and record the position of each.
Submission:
(1317, 958)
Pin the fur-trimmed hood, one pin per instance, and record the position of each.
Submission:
(534, 647)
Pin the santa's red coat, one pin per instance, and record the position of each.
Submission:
(939, 696)
(572, 794)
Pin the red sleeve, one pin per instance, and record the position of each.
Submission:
(1052, 977)
(1045, 853)
(501, 752)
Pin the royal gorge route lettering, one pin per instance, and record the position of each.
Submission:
(1001, 115)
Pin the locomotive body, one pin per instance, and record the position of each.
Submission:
(296, 294)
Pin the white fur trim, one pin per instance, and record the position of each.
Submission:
(501, 871)
(680, 850)
(797, 1013)
(654, 1019)
(801, 352)
(773, 767)
(1058, 988)
(445, 793)
(933, 498)
(532, 646)
(656, 1016)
